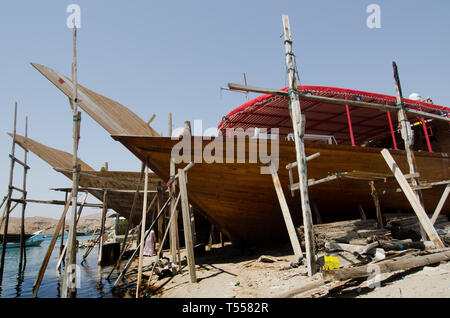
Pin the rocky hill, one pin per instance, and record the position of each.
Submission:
(87, 223)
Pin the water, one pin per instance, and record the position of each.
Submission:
(92, 277)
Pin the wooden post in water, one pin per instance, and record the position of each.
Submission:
(23, 250)
(63, 252)
(102, 227)
(61, 243)
(69, 285)
(298, 123)
(8, 201)
(142, 240)
(187, 225)
(43, 267)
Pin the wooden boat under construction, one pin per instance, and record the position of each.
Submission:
(242, 202)
(121, 185)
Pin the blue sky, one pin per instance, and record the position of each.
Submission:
(173, 56)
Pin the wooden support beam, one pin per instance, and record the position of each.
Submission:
(57, 202)
(298, 123)
(133, 205)
(313, 182)
(5, 220)
(140, 245)
(413, 199)
(170, 125)
(294, 164)
(187, 225)
(161, 221)
(142, 241)
(440, 204)
(64, 249)
(86, 189)
(43, 267)
(287, 216)
(174, 224)
(361, 212)
(159, 254)
(151, 119)
(69, 287)
(102, 226)
(337, 101)
(400, 263)
(407, 136)
(23, 250)
(376, 201)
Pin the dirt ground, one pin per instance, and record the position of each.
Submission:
(229, 272)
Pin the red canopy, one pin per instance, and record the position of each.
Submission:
(323, 118)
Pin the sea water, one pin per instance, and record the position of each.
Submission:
(92, 280)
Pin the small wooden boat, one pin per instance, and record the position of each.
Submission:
(240, 200)
(33, 240)
(13, 237)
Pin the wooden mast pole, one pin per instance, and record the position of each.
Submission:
(8, 202)
(408, 137)
(23, 250)
(69, 287)
(187, 225)
(298, 123)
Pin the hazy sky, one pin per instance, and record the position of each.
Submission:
(162, 56)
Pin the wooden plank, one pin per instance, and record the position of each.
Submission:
(174, 224)
(142, 241)
(187, 225)
(298, 123)
(294, 164)
(111, 115)
(337, 101)
(44, 264)
(407, 135)
(413, 199)
(400, 263)
(361, 212)
(102, 227)
(376, 201)
(287, 217)
(440, 204)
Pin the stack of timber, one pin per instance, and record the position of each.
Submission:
(398, 227)
(367, 255)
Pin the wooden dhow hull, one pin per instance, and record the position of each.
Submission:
(122, 185)
(242, 202)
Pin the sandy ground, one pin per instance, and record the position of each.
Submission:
(229, 272)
